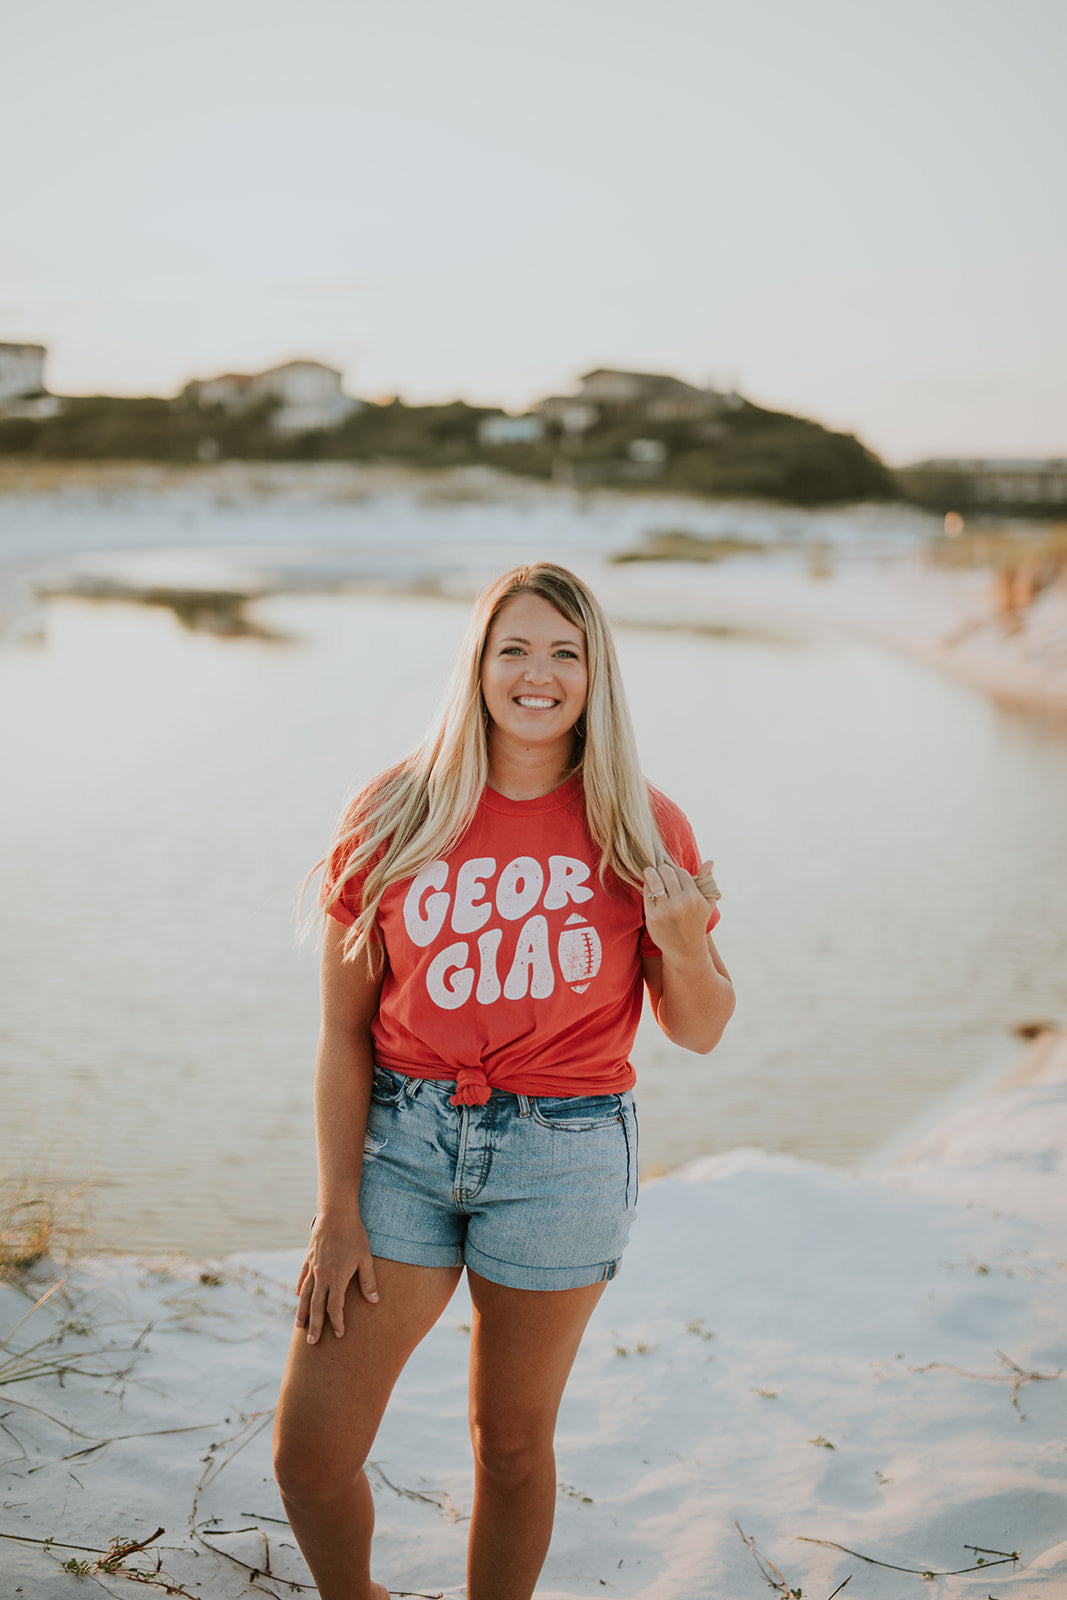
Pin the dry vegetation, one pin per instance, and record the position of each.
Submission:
(38, 1221)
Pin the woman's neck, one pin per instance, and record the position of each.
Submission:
(520, 773)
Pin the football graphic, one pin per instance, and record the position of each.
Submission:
(579, 954)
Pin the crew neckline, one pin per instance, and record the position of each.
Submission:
(567, 792)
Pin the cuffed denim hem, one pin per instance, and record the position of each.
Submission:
(412, 1253)
(510, 1276)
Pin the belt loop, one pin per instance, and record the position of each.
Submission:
(524, 1104)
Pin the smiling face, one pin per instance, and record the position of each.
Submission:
(534, 675)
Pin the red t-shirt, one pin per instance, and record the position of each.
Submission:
(510, 965)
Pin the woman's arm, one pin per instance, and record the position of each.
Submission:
(344, 1067)
(688, 985)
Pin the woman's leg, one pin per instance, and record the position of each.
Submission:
(332, 1399)
(523, 1346)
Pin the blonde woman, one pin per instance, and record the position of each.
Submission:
(496, 905)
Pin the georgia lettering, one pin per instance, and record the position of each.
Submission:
(467, 905)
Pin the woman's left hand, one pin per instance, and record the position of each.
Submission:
(676, 913)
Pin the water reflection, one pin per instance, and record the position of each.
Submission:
(221, 612)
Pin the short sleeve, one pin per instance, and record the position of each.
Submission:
(349, 904)
(680, 841)
(346, 908)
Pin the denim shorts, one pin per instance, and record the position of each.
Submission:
(532, 1192)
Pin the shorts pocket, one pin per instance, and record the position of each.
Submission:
(579, 1113)
(388, 1087)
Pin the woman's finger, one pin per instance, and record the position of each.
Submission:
(666, 882)
(335, 1308)
(367, 1283)
(316, 1312)
(708, 887)
(303, 1305)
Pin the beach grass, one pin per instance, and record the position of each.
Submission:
(39, 1221)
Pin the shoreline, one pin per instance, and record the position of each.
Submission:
(804, 578)
(947, 620)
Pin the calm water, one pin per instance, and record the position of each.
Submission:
(890, 848)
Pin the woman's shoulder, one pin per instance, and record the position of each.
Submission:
(666, 811)
(362, 805)
(360, 821)
(673, 825)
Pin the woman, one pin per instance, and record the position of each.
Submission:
(494, 904)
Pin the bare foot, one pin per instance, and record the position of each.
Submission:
(378, 1591)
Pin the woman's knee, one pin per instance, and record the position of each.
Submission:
(511, 1451)
(313, 1468)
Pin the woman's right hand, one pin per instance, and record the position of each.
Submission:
(339, 1251)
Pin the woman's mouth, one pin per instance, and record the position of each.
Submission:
(535, 702)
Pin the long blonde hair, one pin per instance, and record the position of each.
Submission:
(419, 809)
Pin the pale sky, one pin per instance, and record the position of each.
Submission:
(855, 210)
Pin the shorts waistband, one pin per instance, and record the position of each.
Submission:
(472, 1088)
(411, 1084)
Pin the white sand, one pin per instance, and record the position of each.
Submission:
(813, 1354)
